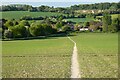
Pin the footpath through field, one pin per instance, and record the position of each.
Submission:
(74, 62)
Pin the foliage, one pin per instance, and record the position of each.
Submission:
(66, 28)
(36, 29)
(18, 31)
(106, 22)
(24, 23)
(8, 34)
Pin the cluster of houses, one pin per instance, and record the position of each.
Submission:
(96, 26)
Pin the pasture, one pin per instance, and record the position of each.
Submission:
(113, 16)
(39, 58)
(19, 14)
(77, 20)
(98, 54)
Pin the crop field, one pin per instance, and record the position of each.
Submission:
(19, 14)
(98, 54)
(51, 57)
(39, 58)
(77, 20)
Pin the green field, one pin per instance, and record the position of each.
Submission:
(51, 58)
(98, 54)
(19, 14)
(77, 20)
(113, 16)
(39, 58)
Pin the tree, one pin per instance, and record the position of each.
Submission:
(36, 29)
(8, 34)
(18, 31)
(47, 29)
(87, 24)
(9, 23)
(106, 22)
(24, 23)
(114, 26)
(66, 28)
(59, 25)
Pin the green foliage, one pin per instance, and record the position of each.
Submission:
(66, 28)
(9, 23)
(48, 29)
(59, 25)
(106, 22)
(86, 24)
(36, 29)
(114, 26)
(8, 34)
(24, 23)
(18, 31)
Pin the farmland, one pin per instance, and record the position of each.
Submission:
(39, 58)
(19, 14)
(113, 16)
(97, 54)
(77, 20)
(51, 58)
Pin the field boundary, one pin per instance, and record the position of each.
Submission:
(75, 72)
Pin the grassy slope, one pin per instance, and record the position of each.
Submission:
(19, 14)
(113, 16)
(77, 20)
(97, 54)
(41, 58)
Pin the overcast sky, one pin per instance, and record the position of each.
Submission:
(55, 3)
(60, 0)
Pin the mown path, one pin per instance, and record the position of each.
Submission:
(75, 73)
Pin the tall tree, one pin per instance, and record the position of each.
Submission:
(106, 21)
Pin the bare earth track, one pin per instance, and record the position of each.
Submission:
(74, 62)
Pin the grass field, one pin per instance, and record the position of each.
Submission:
(113, 16)
(39, 58)
(98, 54)
(19, 14)
(77, 20)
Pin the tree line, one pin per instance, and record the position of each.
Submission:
(24, 29)
(12, 29)
(43, 8)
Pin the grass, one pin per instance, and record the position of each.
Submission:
(77, 20)
(19, 14)
(39, 58)
(98, 54)
(50, 58)
(113, 16)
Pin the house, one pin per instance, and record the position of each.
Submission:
(84, 29)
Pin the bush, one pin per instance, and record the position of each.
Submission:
(8, 34)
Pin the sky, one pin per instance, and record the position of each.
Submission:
(55, 3)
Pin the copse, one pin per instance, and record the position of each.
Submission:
(41, 29)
